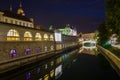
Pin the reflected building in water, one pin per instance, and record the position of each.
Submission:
(49, 69)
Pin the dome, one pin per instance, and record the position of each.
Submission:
(20, 10)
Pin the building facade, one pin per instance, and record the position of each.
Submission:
(19, 38)
(18, 18)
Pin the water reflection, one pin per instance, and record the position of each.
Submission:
(90, 51)
(49, 69)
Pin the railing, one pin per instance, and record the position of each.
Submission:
(8, 65)
(113, 59)
(17, 62)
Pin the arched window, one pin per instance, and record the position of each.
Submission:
(13, 53)
(51, 38)
(45, 37)
(27, 36)
(13, 35)
(38, 37)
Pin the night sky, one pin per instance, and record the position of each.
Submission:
(85, 15)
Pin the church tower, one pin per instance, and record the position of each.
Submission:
(20, 10)
(11, 8)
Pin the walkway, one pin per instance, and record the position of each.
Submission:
(89, 67)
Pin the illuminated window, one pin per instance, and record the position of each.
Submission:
(45, 37)
(38, 37)
(13, 35)
(13, 53)
(51, 38)
(27, 36)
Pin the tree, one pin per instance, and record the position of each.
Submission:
(103, 34)
(113, 16)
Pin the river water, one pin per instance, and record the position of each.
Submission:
(63, 67)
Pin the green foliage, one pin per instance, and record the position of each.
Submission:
(113, 15)
(112, 22)
(103, 34)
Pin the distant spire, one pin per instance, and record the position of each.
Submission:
(20, 10)
(20, 3)
(11, 8)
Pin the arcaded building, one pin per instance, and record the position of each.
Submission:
(20, 39)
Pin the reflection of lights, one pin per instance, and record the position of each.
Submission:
(58, 71)
(38, 70)
(52, 63)
(46, 77)
(51, 73)
(40, 79)
(80, 39)
(46, 66)
(28, 76)
(92, 44)
(58, 60)
(74, 60)
(81, 49)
